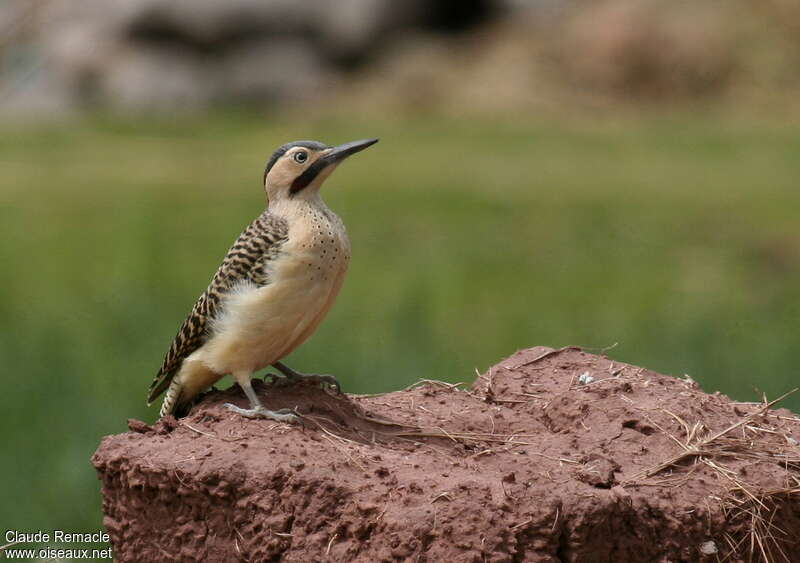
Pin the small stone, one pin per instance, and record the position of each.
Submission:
(708, 548)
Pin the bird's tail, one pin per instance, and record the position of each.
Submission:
(173, 400)
(177, 401)
(185, 386)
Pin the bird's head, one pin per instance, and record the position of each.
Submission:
(298, 169)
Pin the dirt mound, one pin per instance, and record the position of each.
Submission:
(552, 455)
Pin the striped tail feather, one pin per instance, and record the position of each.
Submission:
(172, 403)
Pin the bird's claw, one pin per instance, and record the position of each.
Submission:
(283, 415)
(322, 380)
(275, 380)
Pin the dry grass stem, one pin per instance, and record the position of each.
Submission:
(545, 355)
(693, 447)
(435, 383)
(753, 509)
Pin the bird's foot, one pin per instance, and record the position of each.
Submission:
(275, 380)
(292, 376)
(284, 415)
(321, 379)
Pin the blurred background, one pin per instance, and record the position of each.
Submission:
(551, 172)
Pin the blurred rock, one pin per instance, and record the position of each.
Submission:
(26, 83)
(16, 18)
(274, 70)
(499, 70)
(211, 25)
(451, 55)
(649, 48)
(183, 55)
(166, 55)
(157, 79)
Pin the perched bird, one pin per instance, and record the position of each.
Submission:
(274, 287)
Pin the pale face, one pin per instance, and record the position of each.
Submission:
(288, 167)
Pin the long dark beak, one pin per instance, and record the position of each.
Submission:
(337, 154)
(333, 156)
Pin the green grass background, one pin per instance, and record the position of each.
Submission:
(677, 237)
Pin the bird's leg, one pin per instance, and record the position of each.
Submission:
(258, 410)
(309, 377)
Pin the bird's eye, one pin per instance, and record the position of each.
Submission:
(300, 157)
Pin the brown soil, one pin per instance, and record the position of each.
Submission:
(533, 463)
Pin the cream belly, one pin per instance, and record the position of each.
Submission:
(260, 325)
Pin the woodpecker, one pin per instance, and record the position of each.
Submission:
(274, 287)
